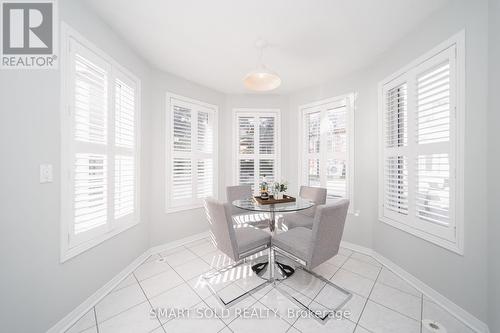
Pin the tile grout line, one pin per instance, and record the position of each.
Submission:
(367, 299)
(421, 312)
(95, 318)
(147, 299)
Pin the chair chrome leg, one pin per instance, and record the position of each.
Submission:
(224, 269)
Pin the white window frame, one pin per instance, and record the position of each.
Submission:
(457, 131)
(68, 246)
(350, 102)
(169, 149)
(254, 112)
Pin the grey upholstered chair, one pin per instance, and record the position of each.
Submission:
(237, 243)
(305, 217)
(311, 248)
(241, 216)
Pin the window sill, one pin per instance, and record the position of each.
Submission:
(70, 252)
(448, 245)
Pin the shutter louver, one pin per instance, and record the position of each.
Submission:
(205, 133)
(205, 178)
(433, 105)
(124, 186)
(313, 126)
(182, 186)
(313, 173)
(90, 192)
(266, 135)
(246, 127)
(396, 122)
(90, 102)
(266, 169)
(433, 188)
(124, 115)
(396, 184)
(247, 172)
(182, 129)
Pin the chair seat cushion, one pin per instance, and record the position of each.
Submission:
(249, 238)
(297, 241)
(295, 220)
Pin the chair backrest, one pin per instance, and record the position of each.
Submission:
(327, 231)
(221, 227)
(314, 194)
(236, 193)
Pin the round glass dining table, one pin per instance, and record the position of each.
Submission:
(252, 205)
(261, 268)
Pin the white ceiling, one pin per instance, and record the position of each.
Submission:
(211, 42)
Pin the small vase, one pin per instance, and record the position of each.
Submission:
(279, 195)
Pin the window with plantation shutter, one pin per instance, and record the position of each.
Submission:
(421, 111)
(99, 165)
(257, 146)
(327, 135)
(191, 160)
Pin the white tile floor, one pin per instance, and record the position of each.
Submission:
(381, 302)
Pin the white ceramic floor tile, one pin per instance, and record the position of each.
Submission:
(158, 330)
(135, 320)
(229, 314)
(152, 257)
(362, 268)
(365, 258)
(199, 285)
(380, 319)
(326, 270)
(159, 283)
(397, 300)
(260, 318)
(360, 329)
(353, 282)
(293, 330)
(200, 321)
(287, 309)
(392, 280)
(263, 291)
(355, 306)
(331, 297)
(180, 297)
(217, 259)
(304, 282)
(434, 312)
(226, 330)
(338, 260)
(203, 249)
(180, 257)
(306, 325)
(150, 269)
(192, 269)
(118, 301)
(87, 321)
(197, 242)
(171, 250)
(128, 281)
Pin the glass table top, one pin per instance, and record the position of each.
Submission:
(250, 204)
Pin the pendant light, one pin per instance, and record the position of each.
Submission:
(262, 78)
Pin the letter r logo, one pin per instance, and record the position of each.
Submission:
(27, 27)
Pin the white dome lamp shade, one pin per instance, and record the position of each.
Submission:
(261, 79)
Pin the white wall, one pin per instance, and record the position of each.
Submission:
(494, 166)
(463, 279)
(167, 227)
(36, 289)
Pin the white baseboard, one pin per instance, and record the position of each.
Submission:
(90, 302)
(464, 316)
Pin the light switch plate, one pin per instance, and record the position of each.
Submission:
(46, 174)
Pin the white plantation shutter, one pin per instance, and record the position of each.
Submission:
(191, 170)
(257, 152)
(326, 146)
(419, 145)
(99, 191)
